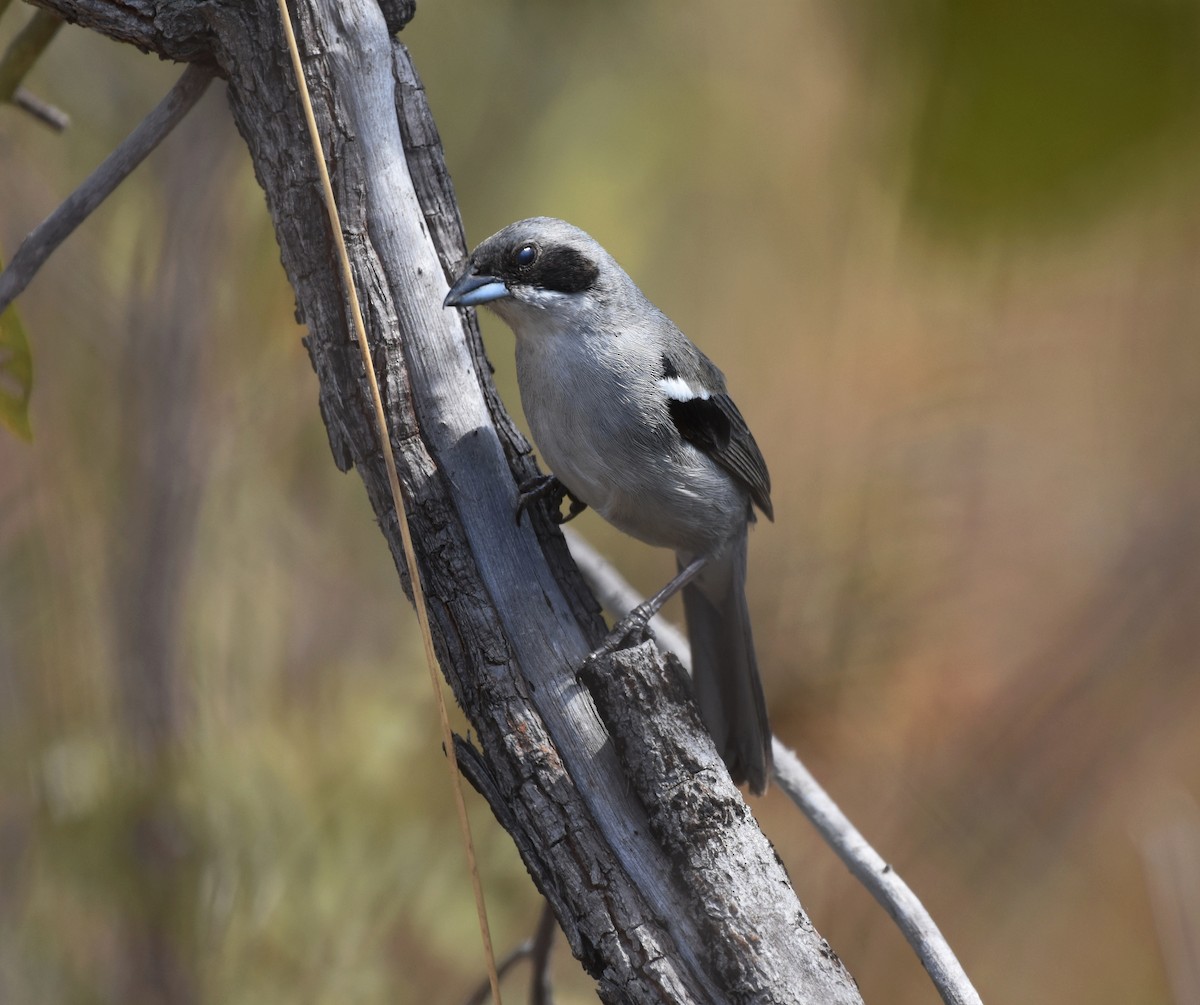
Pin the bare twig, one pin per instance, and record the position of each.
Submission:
(540, 992)
(880, 879)
(481, 993)
(55, 229)
(867, 866)
(537, 951)
(1170, 847)
(43, 111)
(23, 51)
(503, 965)
(18, 60)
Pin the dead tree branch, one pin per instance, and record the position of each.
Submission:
(866, 864)
(662, 898)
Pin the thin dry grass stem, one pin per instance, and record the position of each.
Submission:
(397, 501)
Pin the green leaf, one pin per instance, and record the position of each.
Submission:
(16, 374)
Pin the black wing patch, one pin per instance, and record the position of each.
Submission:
(715, 426)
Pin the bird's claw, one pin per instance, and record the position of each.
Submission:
(577, 506)
(632, 630)
(550, 488)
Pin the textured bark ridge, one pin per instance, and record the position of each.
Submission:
(664, 885)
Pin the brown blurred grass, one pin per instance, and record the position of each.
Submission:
(976, 613)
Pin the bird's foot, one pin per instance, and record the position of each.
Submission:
(549, 488)
(577, 506)
(631, 630)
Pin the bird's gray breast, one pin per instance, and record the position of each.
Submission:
(601, 423)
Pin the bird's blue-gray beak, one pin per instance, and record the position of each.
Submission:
(472, 289)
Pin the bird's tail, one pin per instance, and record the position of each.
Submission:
(724, 670)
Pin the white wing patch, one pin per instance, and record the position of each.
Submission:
(678, 389)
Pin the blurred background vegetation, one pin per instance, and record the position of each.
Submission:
(947, 254)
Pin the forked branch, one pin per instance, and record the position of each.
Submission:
(863, 861)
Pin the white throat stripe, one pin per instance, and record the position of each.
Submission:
(544, 299)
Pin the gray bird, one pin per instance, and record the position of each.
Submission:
(635, 422)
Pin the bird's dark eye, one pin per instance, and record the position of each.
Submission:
(526, 254)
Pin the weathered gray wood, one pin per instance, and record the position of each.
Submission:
(867, 865)
(511, 619)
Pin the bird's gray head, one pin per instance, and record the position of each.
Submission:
(535, 266)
